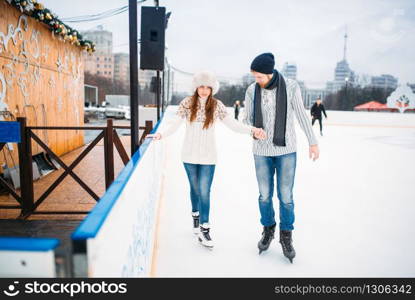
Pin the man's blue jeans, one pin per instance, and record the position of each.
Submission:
(200, 180)
(266, 167)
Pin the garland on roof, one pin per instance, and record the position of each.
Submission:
(37, 11)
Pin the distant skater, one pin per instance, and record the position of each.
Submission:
(237, 108)
(315, 111)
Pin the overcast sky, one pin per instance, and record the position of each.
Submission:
(224, 36)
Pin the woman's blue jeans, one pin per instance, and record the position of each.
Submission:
(200, 180)
(284, 167)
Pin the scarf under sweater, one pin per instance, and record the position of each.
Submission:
(278, 82)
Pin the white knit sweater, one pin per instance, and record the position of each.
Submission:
(199, 146)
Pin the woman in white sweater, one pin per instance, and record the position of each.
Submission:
(200, 112)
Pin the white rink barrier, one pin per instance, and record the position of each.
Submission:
(27, 257)
(116, 239)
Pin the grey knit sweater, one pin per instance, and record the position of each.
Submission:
(295, 107)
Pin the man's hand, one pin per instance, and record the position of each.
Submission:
(156, 136)
(259, 133)
(314, 152)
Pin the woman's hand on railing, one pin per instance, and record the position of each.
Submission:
(155, 136)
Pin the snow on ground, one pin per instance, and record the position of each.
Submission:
(354, 206)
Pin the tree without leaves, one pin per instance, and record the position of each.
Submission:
(108, 86)
(228, 94)
(347, 99)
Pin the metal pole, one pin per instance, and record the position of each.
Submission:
(109, 153)
(158, 95)
(168, 85)
(156, 4)
(163, 91)
(133, 19)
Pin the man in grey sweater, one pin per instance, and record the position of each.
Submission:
(271, 103)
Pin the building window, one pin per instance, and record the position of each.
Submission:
(105, 72)
(109, 73)
(98, 72)
(97, 58)
(98, 66)
(109, 59)
(105, 59)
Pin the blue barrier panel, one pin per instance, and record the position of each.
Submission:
(9, 132)
(27, 257)
(27, 244)
(116, 239)
(93, 222)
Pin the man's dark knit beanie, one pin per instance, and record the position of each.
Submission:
(263, 63)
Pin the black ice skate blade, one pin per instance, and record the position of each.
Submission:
(204, 246)
(262, 250)
(291, 259)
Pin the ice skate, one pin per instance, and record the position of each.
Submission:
(267, 237)
(204, 236)
(286, 244)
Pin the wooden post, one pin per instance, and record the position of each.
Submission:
(147, 129)
(109, 153)
(25, 169)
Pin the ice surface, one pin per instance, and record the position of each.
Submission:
(355, 206)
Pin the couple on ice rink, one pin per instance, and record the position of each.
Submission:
(271, 103)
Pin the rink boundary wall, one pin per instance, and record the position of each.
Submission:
(90, 226)
(117, 238)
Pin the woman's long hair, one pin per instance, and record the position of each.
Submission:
(210, 109)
